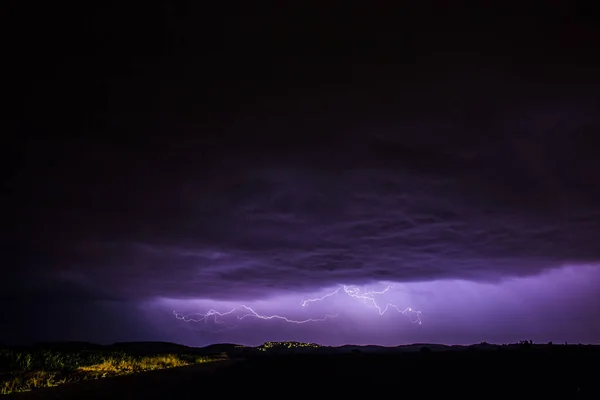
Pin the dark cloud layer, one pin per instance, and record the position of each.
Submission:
(157, 156)
(415, 202)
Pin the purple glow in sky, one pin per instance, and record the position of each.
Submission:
(475, 250)
(552, 306)
(249, 170)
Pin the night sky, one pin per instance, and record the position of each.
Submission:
(175, 161)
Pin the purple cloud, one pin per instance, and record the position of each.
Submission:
(369, 209)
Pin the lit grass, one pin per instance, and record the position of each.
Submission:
(123, 366)
(25, 371)
(31, 380)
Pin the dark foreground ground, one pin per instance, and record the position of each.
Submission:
(558, 373)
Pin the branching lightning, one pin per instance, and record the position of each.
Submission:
(368, 297)
(204, 317)
(243, 312)
(212, 316)
(254, 314)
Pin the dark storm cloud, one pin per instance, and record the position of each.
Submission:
(438, 201)
(56, 305)
(42, 320)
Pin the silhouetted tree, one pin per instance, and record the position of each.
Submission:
(525, 343)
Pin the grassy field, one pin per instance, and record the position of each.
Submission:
(523, 370)
(24, 370)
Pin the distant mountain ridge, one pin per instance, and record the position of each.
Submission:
(233, 349)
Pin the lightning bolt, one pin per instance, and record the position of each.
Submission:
(204, 317)
(254, 314)
(305, 302)
(368, 297)
(212, 315)
(353, 291)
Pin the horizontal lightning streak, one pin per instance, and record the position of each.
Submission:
(256, 315)
(204, 317)
(350, 290)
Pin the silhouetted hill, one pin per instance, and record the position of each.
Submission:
(235, 350)
(220, 348)
(151, 347)
(65, 346)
